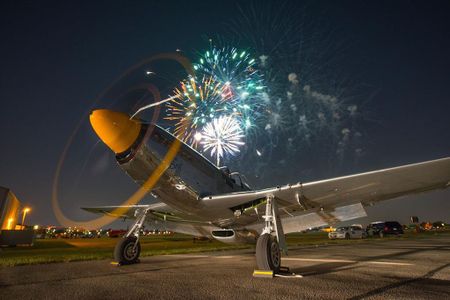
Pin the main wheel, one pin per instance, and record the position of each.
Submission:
(347, 236)
(125, 252)
(268, 255)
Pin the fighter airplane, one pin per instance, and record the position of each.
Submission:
(195, 197)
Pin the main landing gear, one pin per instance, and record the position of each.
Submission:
(128, 249)
(271, 241)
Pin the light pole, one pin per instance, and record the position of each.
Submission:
(25, 211)
(10, 220)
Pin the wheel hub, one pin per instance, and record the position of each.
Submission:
(275, 254)
(130, 252)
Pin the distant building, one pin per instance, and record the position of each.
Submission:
(9, 209)
(12, 234)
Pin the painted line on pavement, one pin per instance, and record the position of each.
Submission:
(347, 261)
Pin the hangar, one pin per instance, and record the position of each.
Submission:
(12, 233)
(9, 209)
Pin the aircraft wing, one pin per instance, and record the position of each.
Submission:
(124, 212)
(160, 216)
(158, 211)
(326, 197)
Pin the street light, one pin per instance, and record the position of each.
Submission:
(10, 220)
(25, 211)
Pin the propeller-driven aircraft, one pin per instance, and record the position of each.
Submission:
(195, 197)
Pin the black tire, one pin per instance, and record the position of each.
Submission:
(347, 236)
(268, 254)
(123, 252)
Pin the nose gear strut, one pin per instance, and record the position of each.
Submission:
(128, 249)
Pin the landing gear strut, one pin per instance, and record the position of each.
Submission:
(128, 249)
(269, 246)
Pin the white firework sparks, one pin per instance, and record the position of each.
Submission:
(222, 136)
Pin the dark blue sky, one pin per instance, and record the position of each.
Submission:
(56, 57)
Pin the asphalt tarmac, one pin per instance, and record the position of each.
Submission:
(392, 269)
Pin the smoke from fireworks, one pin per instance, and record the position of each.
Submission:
(310, 117)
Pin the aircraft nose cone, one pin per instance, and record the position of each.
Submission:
(115, 129)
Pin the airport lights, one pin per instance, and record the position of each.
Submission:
(25, 211)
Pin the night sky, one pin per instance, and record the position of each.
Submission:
(57, 57)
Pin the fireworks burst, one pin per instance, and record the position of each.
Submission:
(221, 136)
(230, 86)
(310, 117)
(277, 95)
(229, 65)
(243, 83)
(195, 104)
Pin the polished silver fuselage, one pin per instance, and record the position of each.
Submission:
(189, 177)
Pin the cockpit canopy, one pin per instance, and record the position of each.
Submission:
(236, 177)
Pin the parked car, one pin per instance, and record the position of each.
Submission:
(382, 229)
(438, 225)
(348, 232)
(374, 228)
